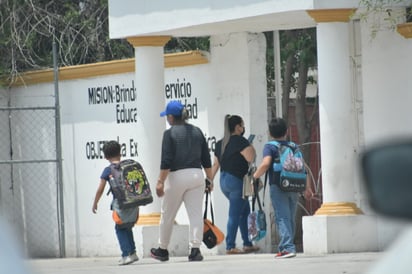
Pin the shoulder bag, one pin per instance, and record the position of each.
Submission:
(212, 235)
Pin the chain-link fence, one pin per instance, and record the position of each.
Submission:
(29, 179)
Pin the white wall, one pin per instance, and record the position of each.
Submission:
(387, 99)
(238, 68)
(233, 82)
(387, 85)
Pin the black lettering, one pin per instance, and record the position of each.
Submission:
(124, 94)
(97, 95)
(181, 89)
(133, 148)
(101, 95)
(191, 109)
(125, 115)
(188, 89)
(132, 92)
(168, 92)
(92, 96)
(178, 90)
(211, 143)
(88, 156)
(195, 109)
(175, 87)
(94, 149)
(123, 149)
(100, 149)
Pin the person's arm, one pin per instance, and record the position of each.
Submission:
(209, 177)
(263, 167)
(165, 162)
(98, 195)
(249, 153)
(215, 167)
(308, 191)
(160, 186)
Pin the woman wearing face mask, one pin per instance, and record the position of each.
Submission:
(233, 154)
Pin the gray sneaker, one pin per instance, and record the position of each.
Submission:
(128, 259)
(133, 257)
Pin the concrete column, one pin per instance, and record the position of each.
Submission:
(149, 70)
(149, 74)
(336, 115)
(338, 226)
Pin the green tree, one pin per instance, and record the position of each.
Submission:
(298, 55)
(79, 28)
(384, 14)
(178, 44)
(298, 52)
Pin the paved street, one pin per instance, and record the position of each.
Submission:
(349, 263)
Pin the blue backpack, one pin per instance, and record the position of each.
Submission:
(291, 166)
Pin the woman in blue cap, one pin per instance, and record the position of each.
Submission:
(181, 179)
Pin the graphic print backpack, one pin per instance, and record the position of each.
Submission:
(256, 220)
(291, 166)
(129, 184)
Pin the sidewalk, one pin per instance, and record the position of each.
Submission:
(348, 263)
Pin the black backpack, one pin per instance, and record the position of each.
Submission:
(129, 184)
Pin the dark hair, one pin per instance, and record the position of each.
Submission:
(277, 127)
(231, 121)
(111, 149)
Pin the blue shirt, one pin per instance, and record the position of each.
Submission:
(106, 173)
(273, 152)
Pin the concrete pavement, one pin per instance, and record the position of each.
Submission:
(347, 263)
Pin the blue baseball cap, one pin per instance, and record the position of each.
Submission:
(173, 108)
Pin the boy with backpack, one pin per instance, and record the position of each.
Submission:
(284, 201)
(124, 218)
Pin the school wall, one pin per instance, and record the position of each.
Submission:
(233, 81)
(387, 98)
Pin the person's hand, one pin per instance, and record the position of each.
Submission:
(308, 194)
(94, 208)
(209, 185)
(160, 189)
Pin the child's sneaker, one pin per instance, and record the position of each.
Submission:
(128, 259)
(125, 260)
(159, 254)
(195, 255)
(285, 254)
(133, 257)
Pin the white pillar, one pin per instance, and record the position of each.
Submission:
(336, 113)
(149, 70)
(339, 225)
(149, 74)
